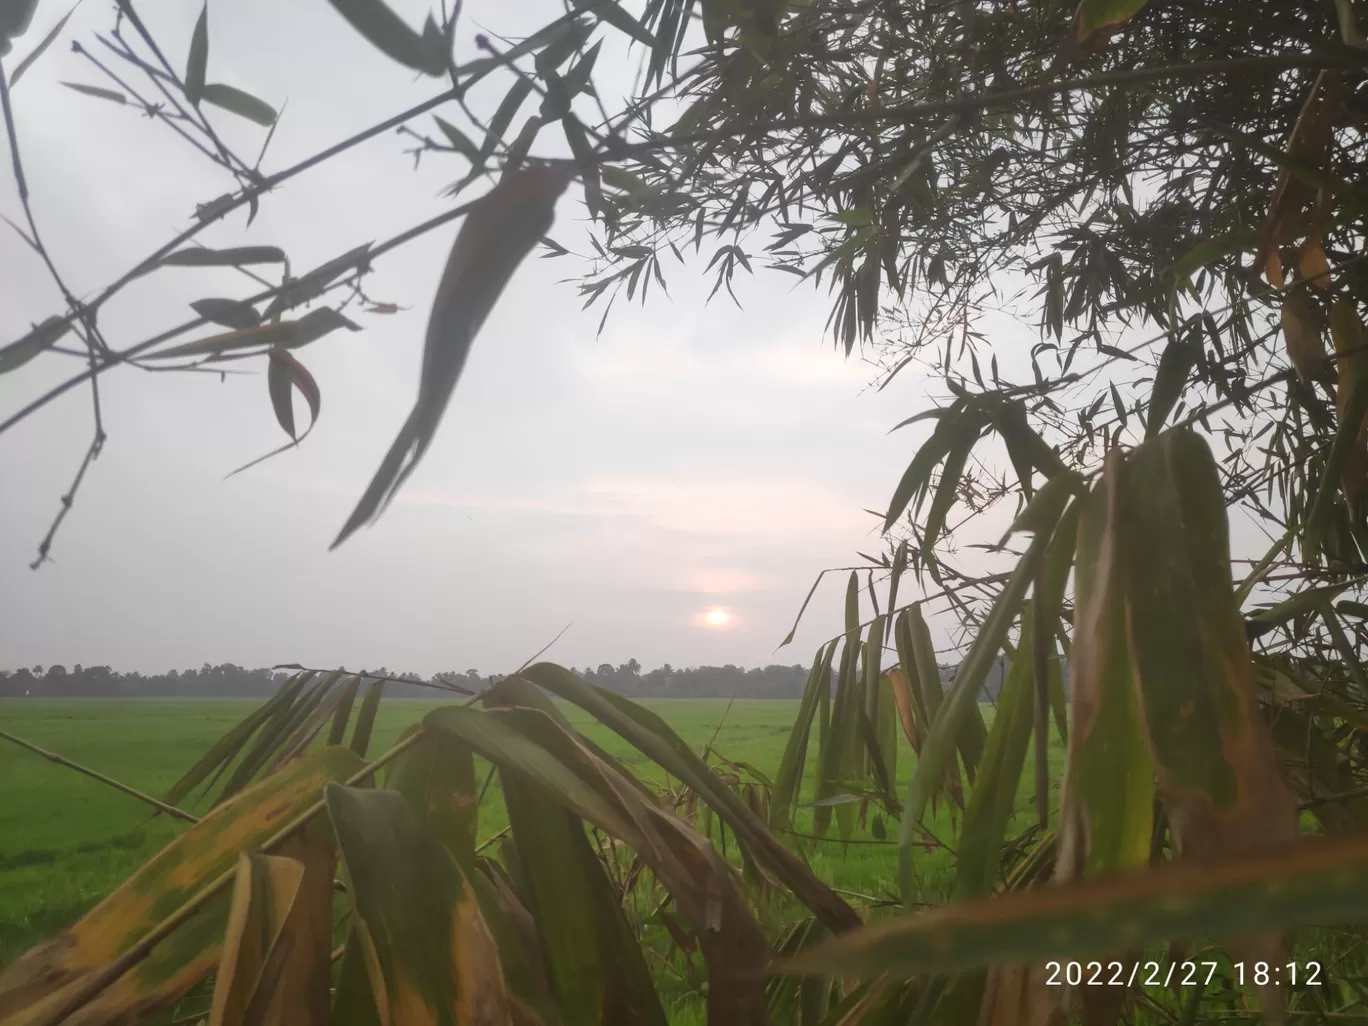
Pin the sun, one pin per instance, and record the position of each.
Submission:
(716, 617)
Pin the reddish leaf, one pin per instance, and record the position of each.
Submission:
(285, 373)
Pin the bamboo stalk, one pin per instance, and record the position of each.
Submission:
(98, 982)
(62, 760)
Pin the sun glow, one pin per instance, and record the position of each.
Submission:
(716, 617)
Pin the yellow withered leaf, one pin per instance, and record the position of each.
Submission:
(276, 962)
(1309, 144)
(263, 900)
(1217, 768)
(1313, 265)
(428, 953)
(1305, 344)
(43, 979)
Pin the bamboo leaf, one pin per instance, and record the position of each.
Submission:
(1305, 344)
(993, 801)
(916, 479)
(285, 375)
(789, 778)
(365, 717)
(44, 978)
(101, 94)
(1096, 15)
(961, 444)
(40, 49)
(263, 897)
(429, 955)
(1106, 809)
(1217, 768)
(289, 334)
(497, 234)
(240, 256)
(437, 776)
(391, 35)
(337, 733)
(231, 313)
(274, 969)
(652, 736)
(244, 105)
(1175, 364)
(199, 57)
(458, 139)
(42, 337)
(592, 959)
(1313, 882)
(612, 13)
(961, 703)
(227, 747)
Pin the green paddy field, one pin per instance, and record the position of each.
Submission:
(66, 840)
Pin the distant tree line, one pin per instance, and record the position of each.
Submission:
(230, 681)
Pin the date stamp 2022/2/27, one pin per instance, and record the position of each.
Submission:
(1180, 974)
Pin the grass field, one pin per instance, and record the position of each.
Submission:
(66, 840)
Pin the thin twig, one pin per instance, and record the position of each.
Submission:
(62, 760)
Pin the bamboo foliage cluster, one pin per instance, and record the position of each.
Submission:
(1200, 726)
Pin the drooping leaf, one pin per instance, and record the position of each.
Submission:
(1175, 364)
(961, 703)
(790, 775)
(46, 977)
(429, 955)
(437, 776)
(533, 745)
(1106, 809)
(1308, 146)
(652, 736)
(1305, 344)
(285, 375)
(520, 957)
(365, 717)
(196, 63)
(993, 800)
(391, 35)
(274, 969)
(592, 959)
(38, 50)
(497, 234)
(1215, 762)
(244, 105)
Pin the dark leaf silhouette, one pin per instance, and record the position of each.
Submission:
(496, 236)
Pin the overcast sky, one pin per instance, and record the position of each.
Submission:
(693, 457)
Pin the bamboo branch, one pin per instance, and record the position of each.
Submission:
(62, 760)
